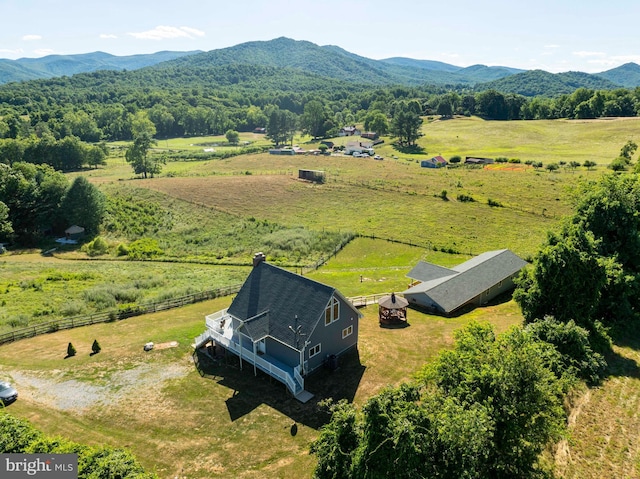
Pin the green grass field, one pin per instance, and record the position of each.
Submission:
(182, 424)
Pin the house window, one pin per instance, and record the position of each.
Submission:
(347, 332)
(314, 350)
(332, 313)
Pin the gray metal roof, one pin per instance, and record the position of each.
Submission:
(470, 279)
(275, 302)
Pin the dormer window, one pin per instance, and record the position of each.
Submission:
(332, 313)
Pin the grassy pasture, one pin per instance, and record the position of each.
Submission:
(36, 289)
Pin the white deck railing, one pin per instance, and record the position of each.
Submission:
(220, 329)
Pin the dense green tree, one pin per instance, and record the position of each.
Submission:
(137, 155)
(96, 155)
(577, 357)
(314, 119)
(376, 121)
(628, 150)
(11, 151)
(281, 126)
(232, 137)
(555, 284)
(5, 224)
(406, 126)
(84, 205)
(81, 125)
(511, 376)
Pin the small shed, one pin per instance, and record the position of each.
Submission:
(475, 160)
(392, 310)
(74, 232)
(435, 162)
(317, 176)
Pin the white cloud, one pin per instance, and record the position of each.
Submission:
(41, 52)
(615, 60)
(30, 38)
(193, 31)
(552, 46)
(17, 51)
(583, 54)
(162, 32)
(107, 35)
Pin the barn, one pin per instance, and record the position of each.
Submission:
(447, 291)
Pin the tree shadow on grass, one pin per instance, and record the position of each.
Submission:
(409, 149)
(625, 335)
(254, 388)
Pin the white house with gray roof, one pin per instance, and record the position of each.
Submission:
(284, 324)
(474, 282)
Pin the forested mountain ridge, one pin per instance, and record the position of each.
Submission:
(541, 83)
(65, 65)
(627, 75)
(285, 56)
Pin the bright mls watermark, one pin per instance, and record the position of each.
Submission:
(40, 466)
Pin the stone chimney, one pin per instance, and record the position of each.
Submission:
(258, 258)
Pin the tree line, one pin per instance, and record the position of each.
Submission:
(102, 105)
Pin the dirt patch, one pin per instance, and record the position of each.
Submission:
(74, 395)
(170, 344)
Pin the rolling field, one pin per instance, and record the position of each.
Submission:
(197, 426)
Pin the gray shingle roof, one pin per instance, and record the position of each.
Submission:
(280, 296)
(470, 279)
(424, 271)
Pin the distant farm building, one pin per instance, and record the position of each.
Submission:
(435, 162)
(370, 135)
(473, 283)
(260, 130)
(474, 160)
(316, 176)
(361, 147)
(282, 151)
(349, 131)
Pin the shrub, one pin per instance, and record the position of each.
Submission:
(455, 159)
(144, 248)
(71, 351)
(619, 164)
(122, 250)
(514, 160)
(572, 342)
(465, 198)
(95, 347)
(96, 247)
(495, 203)
(443, 195)
(502, 159)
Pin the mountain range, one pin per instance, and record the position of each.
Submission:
(330, 62)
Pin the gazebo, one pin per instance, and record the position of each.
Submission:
(392, 310)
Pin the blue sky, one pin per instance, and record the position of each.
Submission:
(553, 35)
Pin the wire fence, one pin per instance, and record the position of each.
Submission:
(114, 315)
